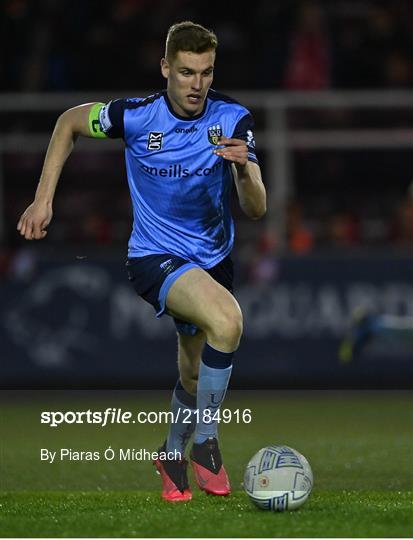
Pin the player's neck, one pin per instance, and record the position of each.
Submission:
(179, 112)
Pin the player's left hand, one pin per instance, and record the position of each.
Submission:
(234, 150)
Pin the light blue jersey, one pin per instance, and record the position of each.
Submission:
(180, 189)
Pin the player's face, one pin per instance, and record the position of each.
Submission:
(189, 77)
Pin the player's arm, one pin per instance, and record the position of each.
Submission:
(247, 176)
(82, 120)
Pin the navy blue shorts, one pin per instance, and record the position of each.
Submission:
(152, 277)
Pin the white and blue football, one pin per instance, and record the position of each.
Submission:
(278, 478)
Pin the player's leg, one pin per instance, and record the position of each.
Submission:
(190, 349)
(149, 276)
(153, 277)
(198, 298)
(195, 296)
(183, 404)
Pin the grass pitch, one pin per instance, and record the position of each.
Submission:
(360, 446)
(326, 514)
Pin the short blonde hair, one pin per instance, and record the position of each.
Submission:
(189, 36)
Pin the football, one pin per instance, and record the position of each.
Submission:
(278, 478)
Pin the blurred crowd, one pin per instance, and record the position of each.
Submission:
(65, 45)
(338, 201)
(337, 205)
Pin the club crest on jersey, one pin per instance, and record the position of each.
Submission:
(214, 133)
(155, 140)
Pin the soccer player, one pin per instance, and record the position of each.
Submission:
(367, 326)
(185, 146)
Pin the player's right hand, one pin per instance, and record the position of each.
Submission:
(34, 221)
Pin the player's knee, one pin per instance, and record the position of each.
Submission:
(226, 330)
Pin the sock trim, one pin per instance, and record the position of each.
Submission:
(183, 396)
(215, 359)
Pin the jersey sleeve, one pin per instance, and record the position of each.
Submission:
(243, 131)
(106, 120)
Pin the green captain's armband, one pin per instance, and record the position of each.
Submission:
(94, 123)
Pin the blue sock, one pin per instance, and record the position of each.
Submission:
(180, 432)
(214, 374)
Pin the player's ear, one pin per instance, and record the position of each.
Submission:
(165, 68)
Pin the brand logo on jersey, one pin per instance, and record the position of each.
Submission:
(186, 130)
(250, 139)
(167, 266)
(155, 140)
(214, 133)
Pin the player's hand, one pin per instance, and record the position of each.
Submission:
(34, 220)
(234, 150)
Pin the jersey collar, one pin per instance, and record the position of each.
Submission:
(185, 118)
